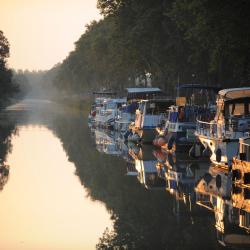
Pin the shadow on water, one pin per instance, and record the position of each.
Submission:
(7, 129)
(149, 208)
(143, 218)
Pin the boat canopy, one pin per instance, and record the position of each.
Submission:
(142, 93)
(198, 86)
(235, 93)
(119, 100)
(104, 93)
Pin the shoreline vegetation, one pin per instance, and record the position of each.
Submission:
(8, 88)
(160, 43)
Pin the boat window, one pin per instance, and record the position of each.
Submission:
(157, 107)
(236, 109)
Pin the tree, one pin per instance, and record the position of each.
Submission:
(7, 88)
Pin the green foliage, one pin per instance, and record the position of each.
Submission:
(174, 40)
(4, 47)
(7, 87)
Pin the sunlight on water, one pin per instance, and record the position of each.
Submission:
(43, 205)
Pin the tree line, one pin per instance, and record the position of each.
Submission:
(175, 41)
(7, 87)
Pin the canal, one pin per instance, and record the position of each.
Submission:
(64, 187)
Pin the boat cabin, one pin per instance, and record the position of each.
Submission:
(233, 109)
(151, 112)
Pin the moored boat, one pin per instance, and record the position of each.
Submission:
(180, 124)
(105, 115)
(148, 116)
(232, 121)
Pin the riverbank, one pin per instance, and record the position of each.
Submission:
(75, 103)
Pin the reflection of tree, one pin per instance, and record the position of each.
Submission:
(4, 176)
(142, 219)
(7, 127)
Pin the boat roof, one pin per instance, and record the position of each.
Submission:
(143, 90)
(166, 100)
(104, 93)
(142, 93)
(198, 86)
(118, 100)
(235, 93)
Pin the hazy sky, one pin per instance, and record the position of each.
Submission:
(42, 32)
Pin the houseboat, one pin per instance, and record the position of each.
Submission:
(99, 98)
(106, 114)
(147, 117)
(232, 121)
(126, 113)
(178, 133)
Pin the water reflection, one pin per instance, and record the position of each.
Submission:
(155, 200)
(44, 206)
(4, 175)
(7, 128)
(146, 167)
(230, 204)
(196, 189)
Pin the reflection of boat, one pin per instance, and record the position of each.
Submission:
(4, 175)
(230, 205)
(181, 176)
(241, 201)
(231, 223)
(231, 122)
(106, 142)
(216, 182)
(148, 174)
(241, 163)
(145, 166)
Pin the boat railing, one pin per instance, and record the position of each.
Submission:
(210, 129)
(229, 128)
(154, 120)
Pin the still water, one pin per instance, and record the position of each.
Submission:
(43, 204)
(67, 186)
